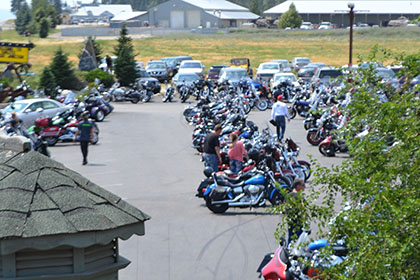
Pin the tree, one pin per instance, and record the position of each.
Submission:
(58, 10)
(254, 7)
(47, 82)
(16, 5)
(62, 71)
(379, 181)
(291, 18)
(125, 65)
(23, 17)
(44, 28)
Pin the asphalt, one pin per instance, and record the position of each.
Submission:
(144, 155)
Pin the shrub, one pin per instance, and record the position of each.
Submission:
(106, 78)
(44, 28)
(47, 82)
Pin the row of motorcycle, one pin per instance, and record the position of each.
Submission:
(272, 165)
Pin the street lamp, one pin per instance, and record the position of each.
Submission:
(351, 15)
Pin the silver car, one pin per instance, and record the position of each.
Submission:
(29, 110)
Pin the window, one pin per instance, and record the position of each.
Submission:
(49, 105)
(35, 106)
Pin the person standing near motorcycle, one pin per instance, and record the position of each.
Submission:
(108, 61)
(236, 154)
(279, 113)
(296, 221)
(211, 148)
(85, 129)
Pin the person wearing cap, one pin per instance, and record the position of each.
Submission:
(296, 222)
(85, 129)
(279, 113)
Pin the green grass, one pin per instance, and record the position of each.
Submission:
(328, 46)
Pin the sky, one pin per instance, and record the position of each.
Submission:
(5, 13)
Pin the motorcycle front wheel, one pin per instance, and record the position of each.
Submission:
(262, 105)
(292, 112)
(135, 100)
(216, 208)
(326, 151)
(277, 198)
(51, 141)
(99, 116)
(313, 138)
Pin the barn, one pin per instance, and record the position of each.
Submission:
(199, 13)
(372, 12)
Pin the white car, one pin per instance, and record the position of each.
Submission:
(306, 25)
(267, 70)
(281, 77)
(192, 66)
(284, 64)
(325, 25)
(103, 66)
(28, 110)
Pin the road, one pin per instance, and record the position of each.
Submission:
(144, 155)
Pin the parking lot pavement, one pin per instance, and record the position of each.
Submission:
(144, 155)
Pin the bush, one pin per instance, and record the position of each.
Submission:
(44, 28)
(47, 82)
(106, 78)
(291, 18)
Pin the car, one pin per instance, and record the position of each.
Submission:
(184, 78)
(325, 26)
(299, 62)
(384, 73)
(192, 66)
(174, 62)
(214, 72)
(316, 65)
(139, 65)
(284, 64)
(282, 77)
(158, 69)
(28, 110)
(306, 72)
(233, 75)
(267, 70)
(306, 25)
(325, 74)
(103, 66)
(144, 76)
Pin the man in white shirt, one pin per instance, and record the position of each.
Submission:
(279, 113)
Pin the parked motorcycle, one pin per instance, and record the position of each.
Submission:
(120, 94)
(169, 93)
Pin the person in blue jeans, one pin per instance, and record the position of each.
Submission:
(279, 113)
(211, 148)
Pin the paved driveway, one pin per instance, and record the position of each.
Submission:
(144, 155)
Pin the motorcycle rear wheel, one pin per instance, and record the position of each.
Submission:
(292, 112)
(262, 105)
(277, 198)
(135, 100)
(51, 141)
(326, 151)
(99, 116)
(95, 138)
(217, 208)
(247, 108)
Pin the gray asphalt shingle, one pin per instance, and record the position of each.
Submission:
(40, 197)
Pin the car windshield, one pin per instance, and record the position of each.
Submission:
(273, 66)
(15, 107)
(168, 60)
(303, 60)
(235, 75)
(330, 73)
(285, 64)
(156, 65)
(187, 78)
(191, 65)
(239, 61)
(282, 78)
(385, 73)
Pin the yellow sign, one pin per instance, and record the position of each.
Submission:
(15, 53)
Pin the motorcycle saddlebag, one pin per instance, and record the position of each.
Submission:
(42, 122)
(218, 193)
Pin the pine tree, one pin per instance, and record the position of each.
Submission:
(125, 65)
(47, 82)
(254, 7)
(23, 17)
(16, 5)
(291, 18)
(44, 28)
(62, 71)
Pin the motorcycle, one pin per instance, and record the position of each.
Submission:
(169, 94)
(253, 192)
(329, 146)
(146, 91)
(124, 94)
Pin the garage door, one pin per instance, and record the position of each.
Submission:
(193, 19)
(177, 19)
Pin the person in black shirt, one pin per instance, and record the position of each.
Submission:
(85, 128)
(211, 148)
(108, 60)
(296, 223)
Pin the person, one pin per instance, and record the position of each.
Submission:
(85, 129)
(211, 148)
(236, 154)
(296, 222)
(279, 113)
(108, 60)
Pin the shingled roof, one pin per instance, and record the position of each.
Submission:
(41, 197)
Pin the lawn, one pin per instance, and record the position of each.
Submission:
(329, 46)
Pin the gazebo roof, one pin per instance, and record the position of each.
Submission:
(40, 197)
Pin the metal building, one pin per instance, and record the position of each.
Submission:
(97, 13)
(199, 13)
(372, 12)
(131, 19)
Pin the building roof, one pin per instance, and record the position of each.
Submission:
(41, 197)
(340, 6)
(233, 15)
(216, 5)
(100, 9)
(127, 16)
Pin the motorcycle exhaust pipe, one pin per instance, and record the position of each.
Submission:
(230, 200)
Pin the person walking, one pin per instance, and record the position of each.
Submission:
(279, 113)
(236, 154)
(296, 221)
(108, 61)
(211, 148)
(85, 129)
